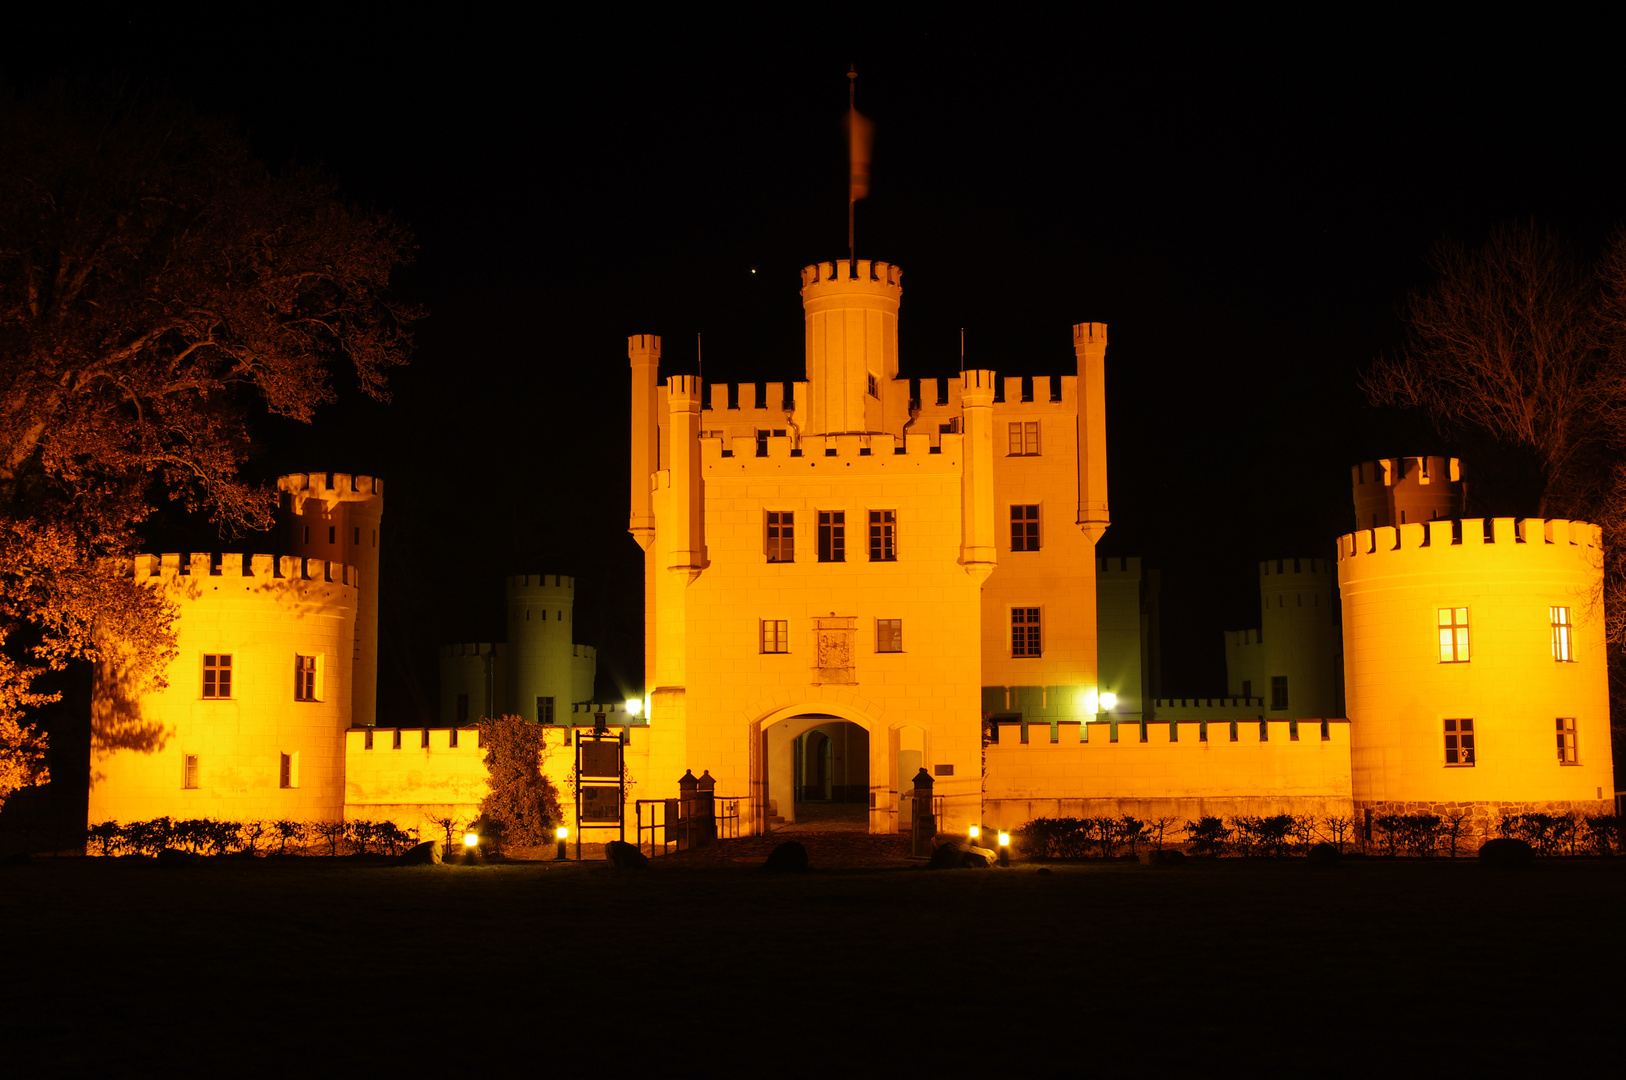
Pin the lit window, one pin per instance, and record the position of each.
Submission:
(874, 387)
(289, 776)
(544, 710)
(781, 536)
(304, 678)
(888, 635)
(1025, 631)
(832, 536)
(1024, 528)
(216, 675)
(883, 536)
(1561, 634)
(1566, 741)
(1024, 438)
(775, 636)
(1459, 742)
(1278, 691)
(189, 778)
(1453, 635)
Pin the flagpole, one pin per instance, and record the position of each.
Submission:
(852, 251)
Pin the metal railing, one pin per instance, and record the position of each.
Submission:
(666, 826)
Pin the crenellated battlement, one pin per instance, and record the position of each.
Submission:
(535, 585)
(204, 565)
(1287, 573)
(846, 452)
(332, 487)
(1407, 490)
(770, 399)
(471, 648)
(1512, 538)
(842, 274)
(1119, 566)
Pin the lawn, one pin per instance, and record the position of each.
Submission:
(329, 966)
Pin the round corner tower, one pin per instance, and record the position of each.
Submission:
(336, 516)
(1474, 661)
(541, 655)
(851, 310)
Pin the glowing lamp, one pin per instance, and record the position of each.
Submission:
(976, 831)
(1004, 839)
(1108, 700)
(1092, 704)
(471, 839)
(561, 832)
(635, 706)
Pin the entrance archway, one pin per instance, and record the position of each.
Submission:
(817, 769)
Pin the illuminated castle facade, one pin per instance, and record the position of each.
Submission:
(854, 577)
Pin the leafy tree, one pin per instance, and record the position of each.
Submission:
(158, 287)
(522, 800)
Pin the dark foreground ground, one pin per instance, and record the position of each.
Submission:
(328, 967)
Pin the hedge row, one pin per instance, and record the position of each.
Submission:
(1283, 835)
(206, 836)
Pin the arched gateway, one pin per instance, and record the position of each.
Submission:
(827, 753)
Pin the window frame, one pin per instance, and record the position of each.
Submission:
(832, 536)
(1452, 634)
(779, 538)
(307, 681)
(1027, 632)
(1563, 634)
(189, 772)
(1022, 438)
(217, 680)
(1459, 742)
(546, 709)
(1278, 693)
(883, 535)
(288, 771)
(889, 632)
(1026, 531)
(773, 637)
(1569, 752)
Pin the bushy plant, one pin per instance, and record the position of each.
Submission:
(1601, 833)
(331, 831)
(1262, 836)
(1157, 828)
(288, 830)
(1420, 834)
(1393, 828)
(1131, 831)
(1208, 836)
(107, 836)
(522, 801)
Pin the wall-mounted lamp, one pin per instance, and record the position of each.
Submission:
(635, 706)
(1109, 700)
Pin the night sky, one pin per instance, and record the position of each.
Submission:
(1246, 203)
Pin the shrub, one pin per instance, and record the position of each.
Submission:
(1262, 836)
(332, 832)
(1054, 838)
(1208, 836)
(1156, 828)
(1338, 831)
(1601, 833)
(522, 801)
(1420, 833)
(1393, 828)
(1451, 829)
(107, 836)
(288, 830)
(1131, 831)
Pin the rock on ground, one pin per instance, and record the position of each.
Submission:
(624, 856)
(788, 858)
(425, 854)
(1506, 851)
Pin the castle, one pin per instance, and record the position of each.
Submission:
(854, 577)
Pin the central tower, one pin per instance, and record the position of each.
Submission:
(851, 314)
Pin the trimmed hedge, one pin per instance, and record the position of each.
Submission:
(207, 836)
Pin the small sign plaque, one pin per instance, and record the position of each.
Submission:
(602, 760)
(601, 804)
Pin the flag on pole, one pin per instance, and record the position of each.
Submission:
(860, 136)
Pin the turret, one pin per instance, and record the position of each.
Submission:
(541, 615)
(1403, 490)
(851, 314)
(977, 552)
(1090, 347)
(335, 516)
(644, 352)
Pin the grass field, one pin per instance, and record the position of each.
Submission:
(328, 967)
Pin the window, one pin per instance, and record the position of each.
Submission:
(1024, 438)
(332, 534)
(883, 536)
(1247, 688)
(775, 636)
(1459, 742)
(289, 775)
(462, 708)
(1566, 741)
(1024, 528)
(1278, 691)
(832, 536)
(189, 777)
(1561, 634)
(304, 678)
(888, 635)
(762, 442)
(544, 710)
(1025, 631)
(1453, 635)
(874, 387)
(355, 535)
(781, 536)
(216, 675)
